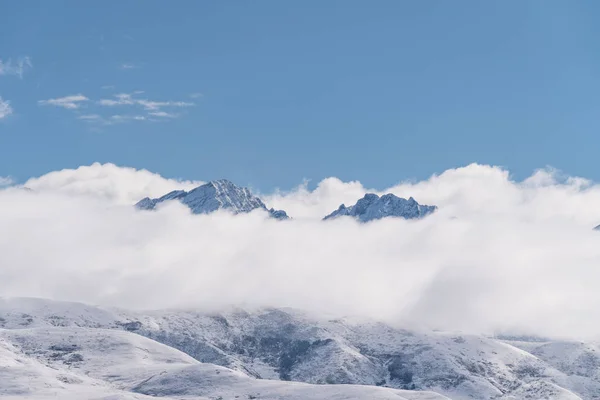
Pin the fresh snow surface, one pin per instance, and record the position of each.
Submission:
(213, 196)
(52, 349)
(372, 207)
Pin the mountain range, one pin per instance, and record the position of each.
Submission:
(224, 195)
(51, 349)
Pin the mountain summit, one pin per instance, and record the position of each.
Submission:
(372, 207)
(213, 196)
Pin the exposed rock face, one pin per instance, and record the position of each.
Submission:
(213, 196)
(372, 207)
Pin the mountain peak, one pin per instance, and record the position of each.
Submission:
(372, 207)
(212, 196)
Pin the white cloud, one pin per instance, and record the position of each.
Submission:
(151, 108)
(125, 118)
(196, 95)
(119, 185)
(498, 255)
(163, 114)
(69, 102)
(155, 105)
(128, 66)
(90, 117)
(113, 119)
(18, 67)
(121, 99)
(125, 99)
(5, 108)
(6, 181)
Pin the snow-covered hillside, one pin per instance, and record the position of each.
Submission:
(71, 362)
(93, 363)
(56, 347)
(213, 196)
(372, 207)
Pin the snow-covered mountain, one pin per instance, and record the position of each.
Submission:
(213, 196)
(48, 346)
(372, 207)
(51, 350)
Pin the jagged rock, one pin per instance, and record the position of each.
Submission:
(372, 207)
(213, 196)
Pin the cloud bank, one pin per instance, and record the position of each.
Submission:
(108, 183)
(499, 255)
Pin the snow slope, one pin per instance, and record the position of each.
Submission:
(26, 377)
(214, 382)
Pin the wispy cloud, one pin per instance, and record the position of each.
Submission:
(155, 105)
(5, 108)
(107, 87)
(196, 95)
(141, 109)
(97, 119)
(90, 117)
(126, 99)
(122, 99)
(6, 181)
(18, 67)
(128, 66)
(69, 102)
(163, 114)
(124, 118)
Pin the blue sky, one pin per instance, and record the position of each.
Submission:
(268, 93)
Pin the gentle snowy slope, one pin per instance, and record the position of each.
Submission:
(213, 382)
(113, 356)
(213, 196)
(372, 207)
(25, 377)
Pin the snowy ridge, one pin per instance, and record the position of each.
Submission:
(70, 362)
(372, 207)
(213, 196)
(274, 354)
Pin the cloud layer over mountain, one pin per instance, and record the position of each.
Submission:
(498, 255)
